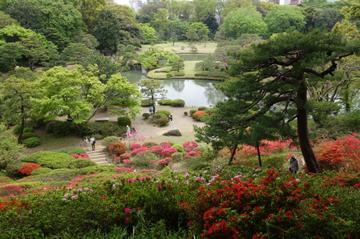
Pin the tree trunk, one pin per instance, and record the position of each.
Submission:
(22, 125)
(258, 153)
(153, 101)
(233, 152)
(302, 128)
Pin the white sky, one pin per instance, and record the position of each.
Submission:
(126, 2)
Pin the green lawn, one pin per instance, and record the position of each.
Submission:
(184, 47)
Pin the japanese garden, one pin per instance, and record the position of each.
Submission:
(179, 119)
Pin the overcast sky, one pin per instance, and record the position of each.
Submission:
(122, 1)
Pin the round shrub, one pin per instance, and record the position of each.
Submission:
(110, 140)
(32, 142)
(144, 159)
(164, 102)
(160, 120)
(53, 160)
(123, 121)
(27, 135)
(40, 171)
(145, 116)
(178, 148)
(117, 148)
(164, 112)
(26, 169)
(191, 112)
(176, 157)
(199, 116)
(12, 169)
(178, 103)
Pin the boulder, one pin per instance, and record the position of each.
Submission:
(174, 132)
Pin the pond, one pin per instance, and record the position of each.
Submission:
(193, 92)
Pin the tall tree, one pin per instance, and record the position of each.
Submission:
(243, 21)
(89, 10)
(284, 18)
(16, 94)
(115, 24)
(152, 89)
(274, 76)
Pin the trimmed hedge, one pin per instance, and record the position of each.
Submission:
(173, 103)
(146, 103)
(32, 142)
(123, 121)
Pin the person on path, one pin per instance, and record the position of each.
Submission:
(150, 110)
(294, 165)
(128, 131)
(93, 143)
(170, 117)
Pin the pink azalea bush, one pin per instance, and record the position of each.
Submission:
(124, 170)
(267, 147)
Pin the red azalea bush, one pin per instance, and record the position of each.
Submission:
(272, 207)
(343, 152)
(124, 169)
(267, 147)
(117, 148)
(199, 115)
(27, 168)
(80, 156)
(9, 190)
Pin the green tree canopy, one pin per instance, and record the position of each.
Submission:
(6, 20)
(154, 58)
(243, 21)
(147, 33)
(285, 18)
(321, 18)
(197, 31)
(89, 10)
(10, 150)
(57, 20)
(78, 94)
(23, 47)
(16, 94)
(115, 24)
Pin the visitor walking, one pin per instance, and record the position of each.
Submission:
(294, 165)
(150, 110)
(128, 131)
(170, 117)
(93, 143)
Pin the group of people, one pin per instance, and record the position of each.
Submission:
(90, 142)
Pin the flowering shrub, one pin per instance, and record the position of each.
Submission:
(340, 153)
(140, 150)
(117, 148)
(199, 115)
(273, 207)
(190, 146)
(124, 169)
(267, 147)
(27, 168)
(164, 162)
(134, 146)
(167, 152)
(10, 190)
(81, 156)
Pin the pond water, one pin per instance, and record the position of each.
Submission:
(193, 92)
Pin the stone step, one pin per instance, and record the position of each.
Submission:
(96, 154)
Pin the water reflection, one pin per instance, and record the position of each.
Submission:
(193, 92)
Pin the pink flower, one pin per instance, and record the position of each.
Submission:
(190, 146)
(167, 152)
(127, 211)
(124, 169)
(165, 145)
(131, 180)
(139, 150)
(135, 146)
(127, 161)
(156, 149)
(200, 179)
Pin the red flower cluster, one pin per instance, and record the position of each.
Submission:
(343, 152)
(124, 169)
(267, 147)
(81, 156)
(191, 149)
(27, 168)
(244, 209)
